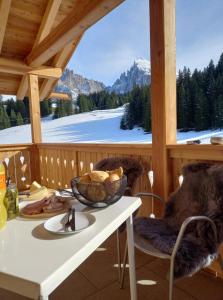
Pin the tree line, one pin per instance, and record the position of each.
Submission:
(100, 100)
(199, 101)
(15, 113)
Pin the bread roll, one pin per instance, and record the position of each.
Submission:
(85, 178)
(118, 172)
(98, 176)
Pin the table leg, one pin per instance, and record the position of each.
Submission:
(131, 255)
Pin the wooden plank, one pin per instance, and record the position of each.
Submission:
(34, 106)
(13, 66)
(61, 96)
(81, 18)
(48, 72)
(4, 13)
(47, 20)
(35, 163)
(163, 89)
(60, 61)
(23, 88)
(45, 27)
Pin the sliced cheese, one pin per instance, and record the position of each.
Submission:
(39, 193)
(34, 186)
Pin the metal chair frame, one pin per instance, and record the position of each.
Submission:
(176, 246)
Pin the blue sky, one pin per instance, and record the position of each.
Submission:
(110, 46)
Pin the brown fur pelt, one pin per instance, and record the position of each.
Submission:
(201, 193)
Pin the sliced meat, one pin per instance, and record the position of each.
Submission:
(46, 205)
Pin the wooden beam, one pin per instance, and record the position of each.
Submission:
(80, 19)
(61, 96)
(34, 108)
(47, 72)
(163, 89)
(23, 88)
(16, 67)
(60, 60)
(4, 13)
(47, 20)
(45, 28)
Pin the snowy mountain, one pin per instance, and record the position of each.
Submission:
(77, 84)
(138, 74)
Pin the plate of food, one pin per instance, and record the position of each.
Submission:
(45, 208)
(81, 221)
(36, 192)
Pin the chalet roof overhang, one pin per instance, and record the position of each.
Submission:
(39, 37)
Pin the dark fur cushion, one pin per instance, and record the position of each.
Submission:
(199, 194)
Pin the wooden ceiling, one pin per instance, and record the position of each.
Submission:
(38, 34)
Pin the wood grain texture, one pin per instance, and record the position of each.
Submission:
(47, 20)
(44, 29)
(4, 13)
(163, 89)
(34, 107)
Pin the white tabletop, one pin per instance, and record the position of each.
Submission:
(34, 261)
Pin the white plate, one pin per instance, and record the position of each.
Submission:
(82, 221)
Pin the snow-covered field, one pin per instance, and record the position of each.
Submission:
(101, 126)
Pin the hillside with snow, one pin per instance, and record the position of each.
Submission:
(101, 126)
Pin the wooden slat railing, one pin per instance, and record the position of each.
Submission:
(59, 163)
(17, 160)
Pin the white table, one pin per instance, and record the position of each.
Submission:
(34, 262)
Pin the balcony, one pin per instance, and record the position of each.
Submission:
(34, 71)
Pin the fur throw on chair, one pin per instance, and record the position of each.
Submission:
(201, 193)
(131, 168)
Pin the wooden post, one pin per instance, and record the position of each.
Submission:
(163, 89)
(34, 108)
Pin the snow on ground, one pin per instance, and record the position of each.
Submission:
(101, 126)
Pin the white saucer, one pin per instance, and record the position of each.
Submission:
(82, 220)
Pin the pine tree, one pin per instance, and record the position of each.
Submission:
(6, 120)
(201, 122)
(219, 112)
(68, 107)
(13, 118)
(45, 109)
(19, 119)
(20, 108)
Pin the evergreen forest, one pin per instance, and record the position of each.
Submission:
(199, 101)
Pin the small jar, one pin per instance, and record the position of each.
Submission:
(12, 201)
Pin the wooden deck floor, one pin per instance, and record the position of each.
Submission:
(96, 279)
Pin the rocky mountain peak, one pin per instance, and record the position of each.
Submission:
(138, 74)
(77, 84)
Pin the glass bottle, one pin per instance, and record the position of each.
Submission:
(3, 211)
(12, 201)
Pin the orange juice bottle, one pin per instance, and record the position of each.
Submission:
(3, 211)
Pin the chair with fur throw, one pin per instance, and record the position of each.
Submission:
(191, 230)
(133, 170)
